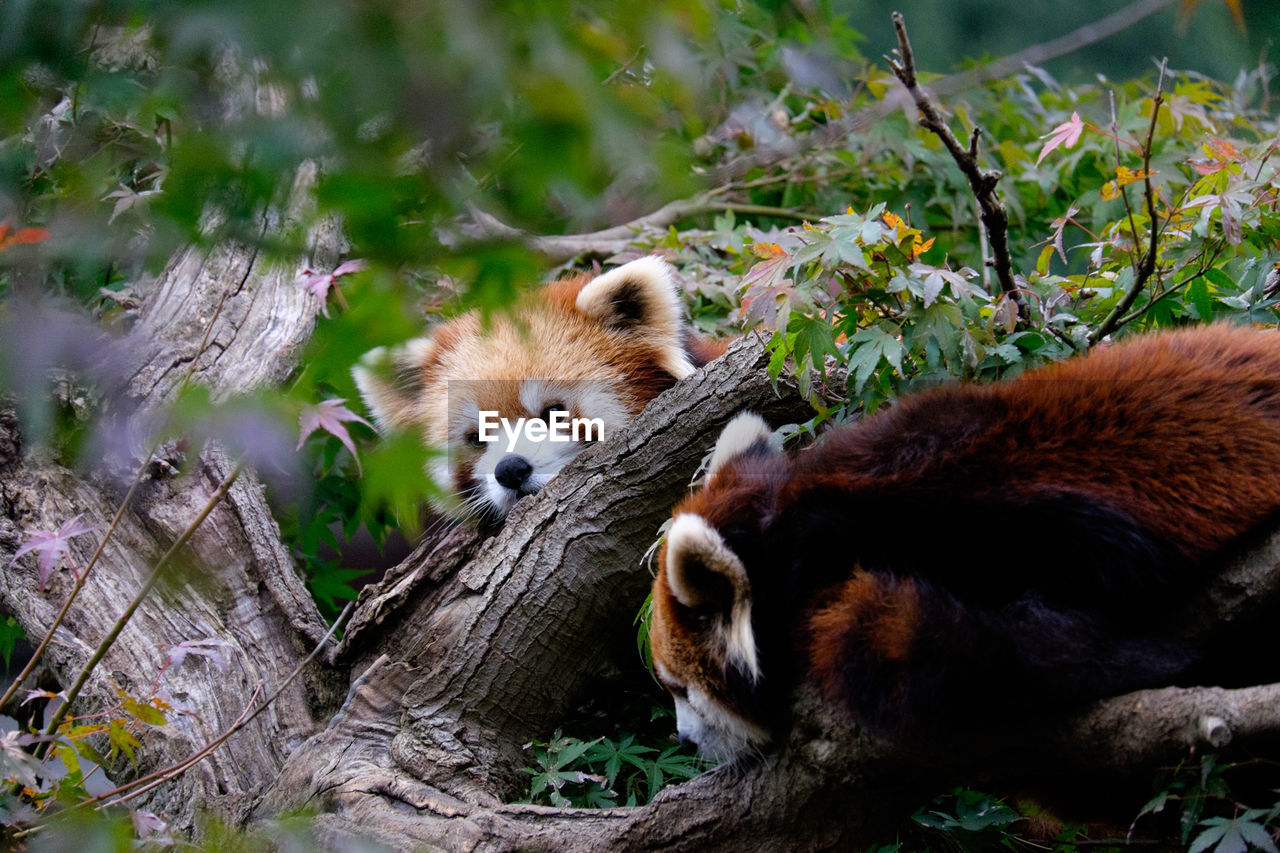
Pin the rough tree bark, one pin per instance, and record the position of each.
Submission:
(473, 646)
(237, 582)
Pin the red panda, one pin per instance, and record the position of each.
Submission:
(582, 348)
(1110, 488)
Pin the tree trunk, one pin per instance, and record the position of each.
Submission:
(475, 645)
(236, 581)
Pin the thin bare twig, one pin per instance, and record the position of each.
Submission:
(1147, 266)
(981, 182)
(250, 713)
(147, 586)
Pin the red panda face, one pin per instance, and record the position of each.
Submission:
(701, 633)
(507, 437)
(589, 350)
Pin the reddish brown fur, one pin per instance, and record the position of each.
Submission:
(1077, 426)
(1105, 487)
(885, 616)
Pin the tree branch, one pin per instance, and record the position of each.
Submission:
(610, 241)
(995, 219)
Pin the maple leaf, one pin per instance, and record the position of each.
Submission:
(1066, 134)
(49, 544)
(1222, 155)
(1059, 225)
(902, 230)
(318, 284)
(151, 828)
(1124, 177)
(22, 236)
(766, 251)
(329, 415)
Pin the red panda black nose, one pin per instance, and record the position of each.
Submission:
(687, 743)
(512, 471)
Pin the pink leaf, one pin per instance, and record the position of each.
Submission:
(211, 649)
(50, 544)
(1059, 225)
(328, 416)
(347, 267)
(317, 285)
(1066, 134)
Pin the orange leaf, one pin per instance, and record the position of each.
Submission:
(23, 236)
(1124, 177)
(767, 250)
(893, 220)
(31, 235)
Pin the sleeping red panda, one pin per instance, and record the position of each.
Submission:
(596, 349)
(1109, 487)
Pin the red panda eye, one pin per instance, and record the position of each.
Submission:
(552, 407)
(474, 440)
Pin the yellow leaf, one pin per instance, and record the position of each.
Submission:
(1124, 177)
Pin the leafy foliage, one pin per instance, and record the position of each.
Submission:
(974, 819)
(1209, 814)
(604, 773)
(847, 239)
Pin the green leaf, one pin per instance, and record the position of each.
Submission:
(872, 345)
(1220, 833)
(10, 633)
(148, 714)
(1198, 293)
(814, 342)
(122, 740)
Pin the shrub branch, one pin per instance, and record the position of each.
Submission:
(1146, 267)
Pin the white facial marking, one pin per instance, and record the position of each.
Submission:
(720, 735)
(583, 399)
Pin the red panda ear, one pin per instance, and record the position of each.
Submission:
(391, 381)
(641, 298)
(705, 575)
(746, 433)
